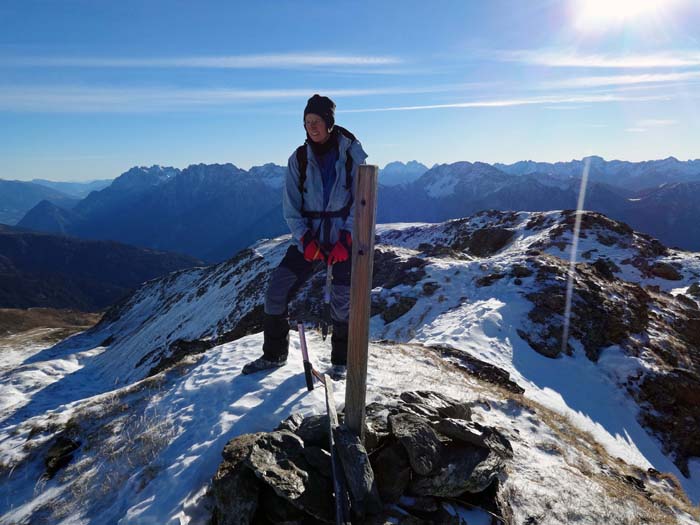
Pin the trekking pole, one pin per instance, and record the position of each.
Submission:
(327, 301)
(342, 503)
(340, 490)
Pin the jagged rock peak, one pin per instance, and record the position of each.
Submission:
(201, 168)
(145, 176)
(412, 164)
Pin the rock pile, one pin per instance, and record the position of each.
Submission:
(421, 451)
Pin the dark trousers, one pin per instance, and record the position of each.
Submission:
(285, 281)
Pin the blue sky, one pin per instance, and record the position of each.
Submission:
(91, 88)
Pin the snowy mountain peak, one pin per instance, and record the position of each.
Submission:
(464, 178)
(272, 174)
(144, 176)
(593, 159)
(630, 175)
(202, 170)
(396, 173)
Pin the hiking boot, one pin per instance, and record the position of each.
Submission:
(337, 372)
(262, 363)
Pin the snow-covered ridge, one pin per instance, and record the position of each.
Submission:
(465, 285)
(442, 180)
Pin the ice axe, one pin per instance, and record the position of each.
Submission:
(309, 371)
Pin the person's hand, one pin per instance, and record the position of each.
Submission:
(341, 250)
(312, 250)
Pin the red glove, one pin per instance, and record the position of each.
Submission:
(341, 250)
(312, 250)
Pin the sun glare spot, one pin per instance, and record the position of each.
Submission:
(593, 14)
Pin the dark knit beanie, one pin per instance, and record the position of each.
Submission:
(323, 107)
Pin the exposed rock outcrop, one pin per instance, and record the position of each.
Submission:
(644, 322)
(235, 490)
(604, 310)
(419, 439)
(694, 290)
(488, 241)
(672, 402)
(60, 454)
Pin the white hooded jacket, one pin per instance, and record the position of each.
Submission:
(313, 195)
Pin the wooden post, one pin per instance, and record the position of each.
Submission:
(360, 288)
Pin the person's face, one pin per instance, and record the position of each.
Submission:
(316, 128)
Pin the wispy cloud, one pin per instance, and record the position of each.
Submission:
(642, 126)
(104, 99)
(566, 108)
(621, 80)
(269, 61)
(556, 58)
(500, 103)
(656, 123)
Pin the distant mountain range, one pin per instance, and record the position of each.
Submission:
(208, 211)
(17, 198)
(41, 269)
(79, 190)
(656, 197)
(633, 176)
(212, 211)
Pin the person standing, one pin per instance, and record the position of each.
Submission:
(318, 206)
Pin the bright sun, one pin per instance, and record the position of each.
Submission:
(592, 14)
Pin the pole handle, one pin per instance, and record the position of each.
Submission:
(302, 342)
(308, 374)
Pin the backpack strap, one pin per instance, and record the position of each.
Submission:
(348, 160)
(345, 132)
(348, 173)
(302, 161)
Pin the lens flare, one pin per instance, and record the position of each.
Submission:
(574, 251)
(592, 14)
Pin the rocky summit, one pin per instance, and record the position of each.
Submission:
(511, 377)
(415, 466)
